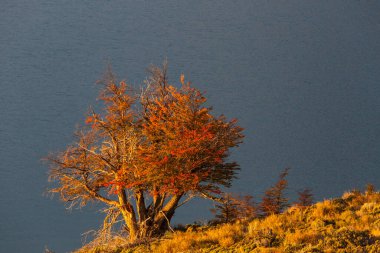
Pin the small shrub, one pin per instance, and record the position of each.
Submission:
(226, 241)
(344, 237)
(302, 237)
(267, 238)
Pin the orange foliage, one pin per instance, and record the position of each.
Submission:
(160, 143)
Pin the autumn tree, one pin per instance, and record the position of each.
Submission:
(233, 208)
(247, 207)
(305, 198)
(370, 189)
(274, 200)
(226, 210)
(147, 153)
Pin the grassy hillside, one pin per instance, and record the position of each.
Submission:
(347, 224)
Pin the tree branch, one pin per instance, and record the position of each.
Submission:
(186, 200)
(208, 196)
(100, 197)
(172, 204)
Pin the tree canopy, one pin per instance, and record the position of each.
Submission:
(147, 151)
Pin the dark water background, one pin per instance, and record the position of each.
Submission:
(302, 77)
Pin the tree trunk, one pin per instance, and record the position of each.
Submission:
(163, 218)
(140, 205)
(151, 223)
(130, 221)
(128, 214)
(158, 218)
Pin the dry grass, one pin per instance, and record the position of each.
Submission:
(347, 224)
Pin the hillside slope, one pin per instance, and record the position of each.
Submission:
(347, 224)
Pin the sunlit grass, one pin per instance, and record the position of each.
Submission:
(347, 224)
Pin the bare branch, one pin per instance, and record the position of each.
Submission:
(190, 197)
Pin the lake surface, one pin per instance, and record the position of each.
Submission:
(302, 77)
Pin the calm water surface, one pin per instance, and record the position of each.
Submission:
(302, 77)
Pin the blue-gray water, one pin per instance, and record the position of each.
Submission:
(302, 77)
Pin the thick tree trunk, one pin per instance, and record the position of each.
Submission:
(130, 221)
(140, 205)
(128, 214)
(163, 217)
(153, 221)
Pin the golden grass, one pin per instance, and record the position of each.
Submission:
(347, 224)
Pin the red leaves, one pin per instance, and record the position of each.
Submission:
(160, 141)
(115, 185)
(133, 184)
(184, 140)
(216, 191)
(107, 184)
(218, 160)
(89, 120)
(198, 135)
(178, 141)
